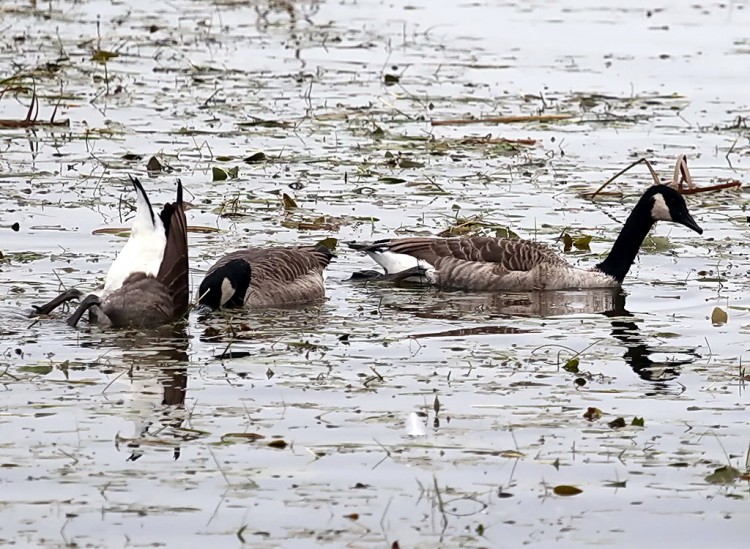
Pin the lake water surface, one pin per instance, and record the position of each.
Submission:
(382, 417)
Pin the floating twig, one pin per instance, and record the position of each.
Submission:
(502, 119)
(681, 180)
(496, 141)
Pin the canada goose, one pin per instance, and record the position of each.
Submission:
(503, 264)
(266, 277)
(147, 284)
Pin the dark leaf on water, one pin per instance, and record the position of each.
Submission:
(567, 242)
(218, 174)
(390, 79)
(592, 414)
(132, 157)
(16, 227)
(249, 437)
(255, 158)
(723, 475)
(278, 443)
(289, 203)
(637, 422)
(154, 165)
(566, 490)
(391, 180)
(618, 423)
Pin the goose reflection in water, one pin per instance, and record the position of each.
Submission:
(157, 381)
(638, 354)
(610, 302)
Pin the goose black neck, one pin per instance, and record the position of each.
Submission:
(633, 233)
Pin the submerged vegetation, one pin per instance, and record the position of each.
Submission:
(383, 416)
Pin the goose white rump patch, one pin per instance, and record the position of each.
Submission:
(394, 263)
(142, 253)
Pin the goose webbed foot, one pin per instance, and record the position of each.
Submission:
(88, 302)
(47, 308)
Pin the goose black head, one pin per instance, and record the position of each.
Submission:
(226, 285)
(666, 204)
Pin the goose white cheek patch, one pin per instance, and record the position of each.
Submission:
(660, 210)
(227, 291)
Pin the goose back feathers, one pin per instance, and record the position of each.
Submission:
(502, 264)
(266, 277)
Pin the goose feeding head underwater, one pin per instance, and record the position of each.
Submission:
(275, 276)
(147, 284)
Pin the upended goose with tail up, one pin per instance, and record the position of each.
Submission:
(266, 277)
(504, 264)
(147, 284)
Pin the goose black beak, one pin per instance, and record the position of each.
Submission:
(687, 220)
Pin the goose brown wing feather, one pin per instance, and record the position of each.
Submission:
(281, 275)
(507, 253)
(286, 275)
(174, 269)
(281, 264)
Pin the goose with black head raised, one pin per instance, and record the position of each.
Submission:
(505, 264)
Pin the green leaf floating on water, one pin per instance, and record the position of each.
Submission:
(723, 475)
(218, 174)
(38, 369)
(329, 243)
(580, 242)
(102, 56)
(657, 244)
(572, 365)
